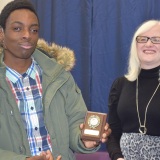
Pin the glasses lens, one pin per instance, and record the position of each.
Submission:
(142, 39)
(155, 39)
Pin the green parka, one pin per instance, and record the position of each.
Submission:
(64, 109)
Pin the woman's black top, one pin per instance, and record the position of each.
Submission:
(123, 117)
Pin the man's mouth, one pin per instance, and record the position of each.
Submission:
(26, 46)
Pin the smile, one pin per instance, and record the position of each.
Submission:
(149, 51)
(26, 46)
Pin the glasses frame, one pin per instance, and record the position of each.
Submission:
(151, 39)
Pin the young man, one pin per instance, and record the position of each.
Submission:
(41, 107)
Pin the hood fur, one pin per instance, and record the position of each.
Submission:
(63, 55)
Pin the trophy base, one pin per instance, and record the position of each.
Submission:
(93, 126)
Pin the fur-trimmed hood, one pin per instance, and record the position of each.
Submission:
(63, 55)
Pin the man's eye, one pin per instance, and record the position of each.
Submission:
(17, 29)
(34, 30)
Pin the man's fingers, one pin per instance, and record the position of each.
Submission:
(59, 158)
(81, 126)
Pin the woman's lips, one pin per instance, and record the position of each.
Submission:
(149, 51)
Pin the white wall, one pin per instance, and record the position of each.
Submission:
(3, 3)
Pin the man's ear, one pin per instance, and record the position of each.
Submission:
(1, 35)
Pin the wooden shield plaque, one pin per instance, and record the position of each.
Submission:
(93, 126)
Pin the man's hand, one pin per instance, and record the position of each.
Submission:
(41, 157)
(49, 156)
(44, 156)
(107, 132)
(92, 144)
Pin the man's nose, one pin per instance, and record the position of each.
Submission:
(26, 34)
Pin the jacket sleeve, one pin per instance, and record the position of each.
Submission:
(113, 143)
(8, 155)
(76, 110)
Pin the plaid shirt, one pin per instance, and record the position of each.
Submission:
(27, 89)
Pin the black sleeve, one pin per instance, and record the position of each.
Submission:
(113, 143)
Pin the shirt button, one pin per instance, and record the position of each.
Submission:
(27, 89)
(11, 113)
(32, 108)
(21, 149)
(36, 128)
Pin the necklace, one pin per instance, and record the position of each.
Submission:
(142, 127)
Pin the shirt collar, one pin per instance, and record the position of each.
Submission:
(14, 76)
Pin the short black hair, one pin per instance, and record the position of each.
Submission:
(12, 6)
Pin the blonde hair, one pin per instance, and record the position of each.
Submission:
(133, 62)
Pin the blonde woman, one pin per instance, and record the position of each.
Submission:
(134, 100)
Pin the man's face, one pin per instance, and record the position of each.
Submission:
(20, 35)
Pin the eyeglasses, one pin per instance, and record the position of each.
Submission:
(144, 39)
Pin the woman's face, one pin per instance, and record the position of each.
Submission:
(149, 53)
